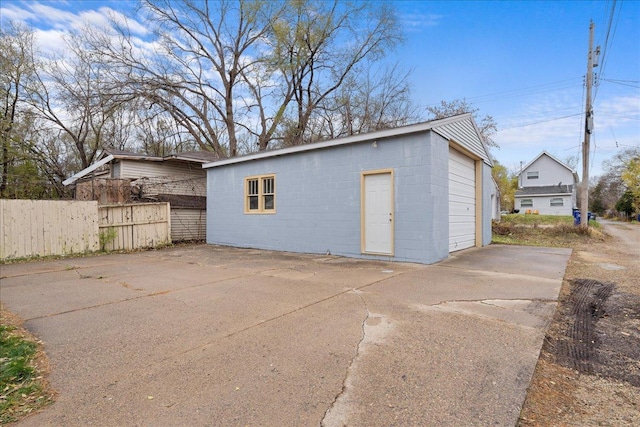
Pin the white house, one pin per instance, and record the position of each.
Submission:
(414, 193)
(546, 186)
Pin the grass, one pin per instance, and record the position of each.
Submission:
(543, 230)
(22, 386)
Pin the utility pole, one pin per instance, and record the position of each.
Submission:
(592, 61)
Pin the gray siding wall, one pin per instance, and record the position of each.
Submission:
(464, 133)
(142, 169)
(188, 224)
(487, 189)
(318, 199)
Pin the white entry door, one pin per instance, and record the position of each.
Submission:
(377, 212)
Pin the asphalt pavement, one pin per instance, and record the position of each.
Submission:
(215, 336)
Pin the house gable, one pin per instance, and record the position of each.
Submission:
(546, 170)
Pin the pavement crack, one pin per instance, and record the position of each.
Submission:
(75, 310)
(329, 413)
(275, 318)
(488, 301)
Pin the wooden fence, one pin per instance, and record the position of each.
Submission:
(132, 226)
(47, 227)
(31, 228)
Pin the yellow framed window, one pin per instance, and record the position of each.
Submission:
(260, 194)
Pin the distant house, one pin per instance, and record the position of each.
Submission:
(495, 200)
(125, 177)
(414, 193)
(546, 186)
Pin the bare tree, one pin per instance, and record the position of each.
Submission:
(318, 45)
(16, 65)
(71, 94)
(572, 161)
(206, 56)
(486, 124)
(157, 134)
(367, 102)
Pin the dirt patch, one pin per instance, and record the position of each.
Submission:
(588, 373)
(600, 335)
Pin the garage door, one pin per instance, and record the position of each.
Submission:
(462, 201)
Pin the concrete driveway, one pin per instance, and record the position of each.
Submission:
(216, 336)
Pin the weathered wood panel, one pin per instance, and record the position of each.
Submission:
(188, 224)
(105, 191)
(31, 228)
(134, 226)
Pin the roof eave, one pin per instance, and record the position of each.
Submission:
(377, 135)
(87, 170)
(543, 194)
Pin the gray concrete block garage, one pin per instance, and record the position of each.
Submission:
(217, 336)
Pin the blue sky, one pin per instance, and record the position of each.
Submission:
(522, 62)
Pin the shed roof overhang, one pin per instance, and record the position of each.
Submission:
(88, 170)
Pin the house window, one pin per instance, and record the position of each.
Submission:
(260, 194)
(532, 175)
(526, 203)
(557, 201)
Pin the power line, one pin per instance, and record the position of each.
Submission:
(620, 116)
(620, 82)
(542, 121)
(537, 113)
(607, 45)
(529, 90)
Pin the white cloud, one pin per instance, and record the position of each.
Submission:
(50, 41)
(411, 22)
(48, 18)
(18, 14)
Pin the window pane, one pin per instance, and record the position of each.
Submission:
(267, 186)
(252, 187)
(526, 203)
(557, 202)
(532, 175)
(268, 202)
(253, 203)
